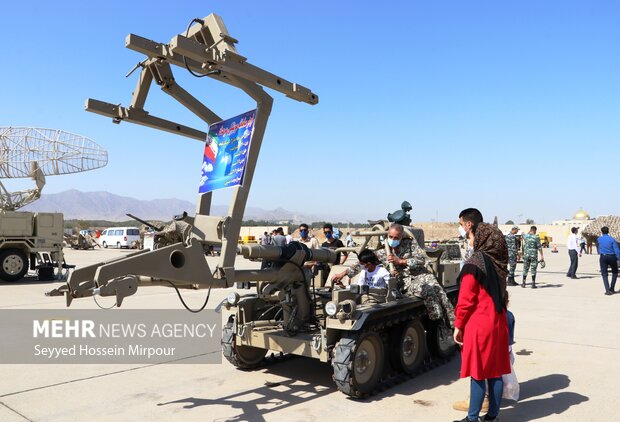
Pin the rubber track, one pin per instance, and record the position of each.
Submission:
(342, 365)
(341, 359)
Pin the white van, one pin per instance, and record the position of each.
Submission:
(121, 237)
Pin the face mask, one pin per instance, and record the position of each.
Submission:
(303, 233)
(462, 232)
(328, 235)
(393, 243)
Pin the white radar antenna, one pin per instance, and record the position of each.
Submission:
(36, 153)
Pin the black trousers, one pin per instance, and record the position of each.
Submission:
(609, 261)
(572, 270)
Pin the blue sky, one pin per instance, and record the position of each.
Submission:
(511, 107)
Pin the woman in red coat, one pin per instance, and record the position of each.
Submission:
(480, 327)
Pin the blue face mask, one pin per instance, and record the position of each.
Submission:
(303, 233)
(393, 243)
(328, 235)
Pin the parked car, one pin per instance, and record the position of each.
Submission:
(121, 237)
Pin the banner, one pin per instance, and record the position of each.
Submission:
(135, 336)
(226, 152)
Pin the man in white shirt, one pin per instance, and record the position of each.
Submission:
(310, 242)
(304, 237)
(573, 252)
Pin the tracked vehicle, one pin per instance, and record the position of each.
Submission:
(370, 336)
(367, 335)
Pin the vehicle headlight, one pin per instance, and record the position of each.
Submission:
(331, 308)
(233, 298)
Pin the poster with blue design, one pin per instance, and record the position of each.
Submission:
(226, 152)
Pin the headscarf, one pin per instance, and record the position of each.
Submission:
(488, 263)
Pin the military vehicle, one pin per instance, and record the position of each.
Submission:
(370, 336)
(30, 240)
(366, 343)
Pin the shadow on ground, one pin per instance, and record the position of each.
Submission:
(31, 280)
(549, 285)
(579, 275)
(538, 408)
(307, 380)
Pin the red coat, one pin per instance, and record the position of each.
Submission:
(485, 332)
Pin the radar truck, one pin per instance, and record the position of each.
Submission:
(35, 239)
(278, 308)
(29, 240)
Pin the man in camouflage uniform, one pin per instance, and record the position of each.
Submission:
(511, 243)
(411, 269)
(531, 248)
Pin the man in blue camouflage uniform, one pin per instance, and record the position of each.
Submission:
(411, 269)
(511, 243)
(531, 249)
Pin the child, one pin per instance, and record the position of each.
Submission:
(373, 274)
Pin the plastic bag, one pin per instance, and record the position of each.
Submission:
(511, 384)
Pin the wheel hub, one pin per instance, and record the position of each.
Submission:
(13, 264)
(408, 346)
(362, 361)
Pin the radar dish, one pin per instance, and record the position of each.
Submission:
(55, 151)
(36, 153)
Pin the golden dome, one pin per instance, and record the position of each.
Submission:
(581, 215)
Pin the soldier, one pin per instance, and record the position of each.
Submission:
(411, 268)
(511, 243)
(531, 248)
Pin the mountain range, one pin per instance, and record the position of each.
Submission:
(108, 206)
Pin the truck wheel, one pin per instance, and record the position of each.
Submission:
(410, 347)
(441, 340)
(13, 265)
(242, 357)
(358, 363)
(104, 244)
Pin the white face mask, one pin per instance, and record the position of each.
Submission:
(462, 232)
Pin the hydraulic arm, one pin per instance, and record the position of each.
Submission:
(206, 50)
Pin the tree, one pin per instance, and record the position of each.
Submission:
(529, 221)
(509, 222)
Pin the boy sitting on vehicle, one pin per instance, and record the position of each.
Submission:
(372, 274)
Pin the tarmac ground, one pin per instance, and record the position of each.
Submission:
(567, 347)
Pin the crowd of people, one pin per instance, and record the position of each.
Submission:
(483, 325)
(529, 247)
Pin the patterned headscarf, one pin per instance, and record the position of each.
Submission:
(488, 262)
